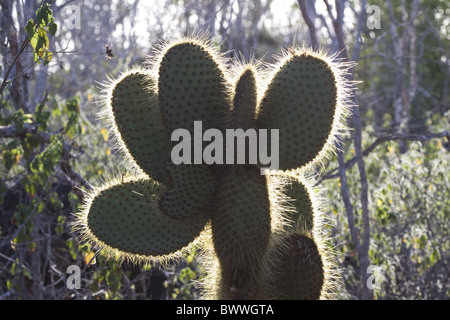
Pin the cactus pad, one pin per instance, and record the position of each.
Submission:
(125, 217)
(301, 199)
(303, 89)
(245, 100)
(137, 123)
(191, 87)
(301, 273)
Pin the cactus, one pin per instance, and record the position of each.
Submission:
(261, 234)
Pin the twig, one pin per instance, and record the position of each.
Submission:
(8, 71)
(393, 137)
(26, 69)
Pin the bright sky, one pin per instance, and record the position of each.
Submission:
(280, 9)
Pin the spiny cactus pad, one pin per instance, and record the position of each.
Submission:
(302, 218)
(137, 123)
(262, 237)
(301, 273)
(303, 89)
(125, 216)
(245, 100)
(192, 86)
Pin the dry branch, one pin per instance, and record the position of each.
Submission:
(393, 137)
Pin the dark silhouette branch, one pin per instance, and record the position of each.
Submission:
(309, 23)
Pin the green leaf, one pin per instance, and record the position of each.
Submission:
(31, 141)
(42, 32)
(52, 28)
(113, 278)
(44, 15)
(10, 158)
(36, 41)
(29, 28)
(40, 53)
(48, 56)
(43, 164)
(27, 118)
(44, 38)
(30, 188)
(41, 117)
(40, 207)
(186, 275)
(35, 56)
(73, 105)
(13, 269)
(40, 44)
(9, 285)
(60, 224)
(18, 120)
(435, 256)
(72, 248)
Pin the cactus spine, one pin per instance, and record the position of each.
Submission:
(261, 233)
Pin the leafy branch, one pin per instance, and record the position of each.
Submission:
(37, 36)
(33, 132)
(37, 31)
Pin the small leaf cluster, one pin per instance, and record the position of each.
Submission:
(37, 33)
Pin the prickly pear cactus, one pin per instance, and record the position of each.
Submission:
(261, 233)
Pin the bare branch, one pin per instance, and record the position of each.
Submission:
(393, 137)
(347, 202)
(16, 50)
(309, 23)
(330, 11)
(363, 246)
(11, 132)
(357, 49)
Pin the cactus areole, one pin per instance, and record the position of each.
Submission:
(197, 132)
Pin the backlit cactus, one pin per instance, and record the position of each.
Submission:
(262, 234)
